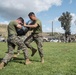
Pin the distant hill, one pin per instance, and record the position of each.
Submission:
(3, 30)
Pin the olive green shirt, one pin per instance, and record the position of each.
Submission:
(38, 29)
(12, 28)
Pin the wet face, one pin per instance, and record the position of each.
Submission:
(20, 22)
(32, 17)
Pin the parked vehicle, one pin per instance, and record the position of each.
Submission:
(2, 39)
(54, 40)
(45, 39)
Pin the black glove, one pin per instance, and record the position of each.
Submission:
(22, 31)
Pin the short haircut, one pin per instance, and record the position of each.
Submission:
(21, 19)
(31, 13)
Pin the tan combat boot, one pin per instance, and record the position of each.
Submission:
(15, 56)
(2, 65)
(27, 62)
(18, 53)
(42, 60)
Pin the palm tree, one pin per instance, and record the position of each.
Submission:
(65, 20)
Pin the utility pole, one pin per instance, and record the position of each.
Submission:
(52, 28)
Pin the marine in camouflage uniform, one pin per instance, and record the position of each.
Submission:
(22, 33)
(14, 40)
(36, 35)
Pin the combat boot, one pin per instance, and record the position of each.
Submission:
(42, 59)
(33, 52)
(18, 53)
(27, 62)
(2, 65)
(15, 56)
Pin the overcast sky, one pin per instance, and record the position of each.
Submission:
(46, 11)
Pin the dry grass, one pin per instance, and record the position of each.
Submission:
(3, 30)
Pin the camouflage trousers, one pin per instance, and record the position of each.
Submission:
(23, 39)
(38, 40)
(12, 42)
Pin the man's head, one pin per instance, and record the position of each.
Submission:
(20, 20)
(32, 16)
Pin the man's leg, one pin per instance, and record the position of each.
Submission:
(19, 49)
(15, 40)
(38, 41)
(23, 47)
(8, 56)
(27, 43)
(20, 43)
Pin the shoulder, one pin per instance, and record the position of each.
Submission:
(13, 22)
(38, 21)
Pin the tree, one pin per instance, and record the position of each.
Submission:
(75, 22)
(65, 20)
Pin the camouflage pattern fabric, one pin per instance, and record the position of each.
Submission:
(12, 42)
(36, 38)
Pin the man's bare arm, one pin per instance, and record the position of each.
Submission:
(19, 26)
(31, 26)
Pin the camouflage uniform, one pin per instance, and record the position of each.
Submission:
(14, 40)
(36, 36)
(23, 39)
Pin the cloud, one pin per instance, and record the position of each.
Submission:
(4, 22)
(72, 22)
(11, 9)
(73, 18)
(60, 30)
(70, 2)
(47, 29)
(56, 19)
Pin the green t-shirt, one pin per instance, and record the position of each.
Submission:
(38, 29)
(12, 28)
